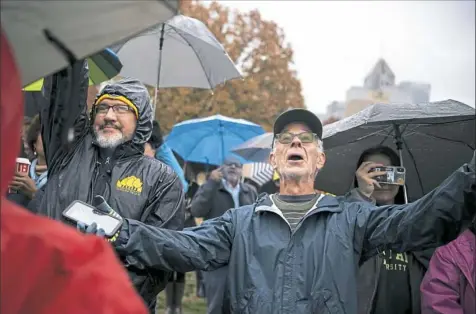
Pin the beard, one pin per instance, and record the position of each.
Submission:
(232, 178)
(109, 140)
(297, 176)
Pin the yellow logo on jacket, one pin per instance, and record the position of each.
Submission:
(130, 184)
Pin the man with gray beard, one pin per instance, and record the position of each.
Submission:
(106, 157)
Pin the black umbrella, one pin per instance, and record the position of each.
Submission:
(432, 140)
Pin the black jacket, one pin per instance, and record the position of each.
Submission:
(369, 272)
(136, 186)
(213, 200)
(368, 278)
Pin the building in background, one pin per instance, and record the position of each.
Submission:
(379, 87)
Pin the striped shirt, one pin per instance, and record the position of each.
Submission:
(294, 207)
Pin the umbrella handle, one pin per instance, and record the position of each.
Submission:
(399, 144)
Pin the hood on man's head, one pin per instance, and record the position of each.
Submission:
(134, 94)
(11, 116)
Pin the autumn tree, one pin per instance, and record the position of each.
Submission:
(258, 48)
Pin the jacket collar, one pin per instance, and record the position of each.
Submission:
(326, 203)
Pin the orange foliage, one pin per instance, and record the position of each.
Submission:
(258, 47)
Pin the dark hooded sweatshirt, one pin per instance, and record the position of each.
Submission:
(135, 186)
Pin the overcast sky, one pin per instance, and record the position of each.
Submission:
(336, 44)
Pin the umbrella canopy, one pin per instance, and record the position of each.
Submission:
(256, 149)
(209, 140)
(435, 139)
(46, 35)
(102, 67)
(259, 172)
(181, 52)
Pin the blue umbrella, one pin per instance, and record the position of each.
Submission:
(209, 140)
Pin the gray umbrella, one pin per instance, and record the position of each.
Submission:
(256, 149)
(433, 140)
(181, 52)
(46, 36)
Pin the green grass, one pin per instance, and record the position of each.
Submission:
(191, 304)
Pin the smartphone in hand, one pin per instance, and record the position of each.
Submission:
(394, 175)
(87, 214)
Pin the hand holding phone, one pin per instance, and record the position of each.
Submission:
(82, 213)
(393, 175)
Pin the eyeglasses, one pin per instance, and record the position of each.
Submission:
(118, 109)
(304, 137)
(233, 164)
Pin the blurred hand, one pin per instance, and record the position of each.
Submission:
(216, 175)
(24, 184)
(91, 229)
(365, 178)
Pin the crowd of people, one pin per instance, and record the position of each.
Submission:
(284, 248)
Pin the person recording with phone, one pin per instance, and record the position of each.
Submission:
(388, 282)
(223, 191)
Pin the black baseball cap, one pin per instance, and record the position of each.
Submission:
(298, 115)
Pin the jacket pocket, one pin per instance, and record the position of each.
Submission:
(252, 302)
(318, 302)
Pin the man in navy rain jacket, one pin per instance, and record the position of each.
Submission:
(297, 252)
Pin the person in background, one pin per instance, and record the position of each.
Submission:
(47, 267)
(222, 191)
(25, 151)
(272, 186)
(388, 282)
(194, 183)
(156, 148)
(449, 284)
(26, 185)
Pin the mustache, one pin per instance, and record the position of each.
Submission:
(109, 124)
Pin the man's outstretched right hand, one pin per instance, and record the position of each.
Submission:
(91, 229)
